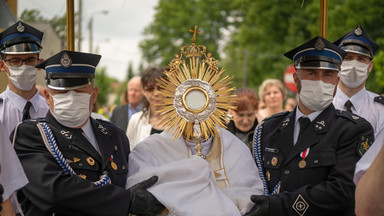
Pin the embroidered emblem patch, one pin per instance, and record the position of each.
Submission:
(300, 205)
(65, 60)
(319, 44)
(364, 145)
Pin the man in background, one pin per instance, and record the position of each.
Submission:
(122, 114)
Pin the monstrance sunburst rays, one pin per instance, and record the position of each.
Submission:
(196, 95)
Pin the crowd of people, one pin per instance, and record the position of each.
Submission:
(315, 153)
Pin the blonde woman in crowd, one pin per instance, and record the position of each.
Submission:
(272, 93)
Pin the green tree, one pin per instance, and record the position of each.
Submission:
(259, 32)
(59, 23)
(104, 83)
(129, 71)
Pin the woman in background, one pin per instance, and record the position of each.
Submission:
(244, 117)
(147, 122)
(272, 93)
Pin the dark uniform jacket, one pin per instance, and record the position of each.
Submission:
(51, 190)
(120, 117)
(324, 186)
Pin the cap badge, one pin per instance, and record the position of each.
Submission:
(65, 61)
(20, 27)
(358, 31)
(319, 44)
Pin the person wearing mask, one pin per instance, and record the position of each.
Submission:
(20, 45)
(307, 157)
(76, 165)
(147, 121)
(351, 94)
(123, 113)
(272, 93)
(12, 176)
(244, 116)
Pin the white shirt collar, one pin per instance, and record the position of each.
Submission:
(311, 116)
(20, 102)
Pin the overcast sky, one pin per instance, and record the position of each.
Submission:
(117, 34)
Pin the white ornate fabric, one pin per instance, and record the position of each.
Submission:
(189, 185)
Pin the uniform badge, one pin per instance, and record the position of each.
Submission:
(300, 205)
(319, 44)
(358, 31)
(69, 161)
(75, 159)
(286, 122)
(268, 176)
(113, 164)
(364, 145)
(302, 164)
(320, 125)
(82, 176)
(303, 155)
(90, 161)
(65, 60)
(274, 161)
(20, 27)
(103, 129)
(67, 134)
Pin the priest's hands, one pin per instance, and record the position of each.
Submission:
(142, 201)
(261, 207)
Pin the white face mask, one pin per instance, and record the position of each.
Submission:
(23, 77)
(316, 95)
(72, 108)
(353, 73)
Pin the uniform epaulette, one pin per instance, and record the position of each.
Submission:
(350, 116)
(379, 99)
(277, 115)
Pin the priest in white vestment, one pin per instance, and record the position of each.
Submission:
(203, 169)
(222, 184)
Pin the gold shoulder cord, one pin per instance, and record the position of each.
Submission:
(196, 95)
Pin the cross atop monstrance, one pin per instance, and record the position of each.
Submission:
(194, 34)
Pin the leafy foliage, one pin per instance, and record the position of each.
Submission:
(249, 37)
(59, 23)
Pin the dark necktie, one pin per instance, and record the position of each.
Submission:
(304, 123)
(348, 105)
(26, 110)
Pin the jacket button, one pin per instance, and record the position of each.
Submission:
(286, 172)
(316, 161)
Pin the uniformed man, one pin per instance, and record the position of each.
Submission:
(307, 157)
(351, 94)
(20, 46)
(70, 158)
